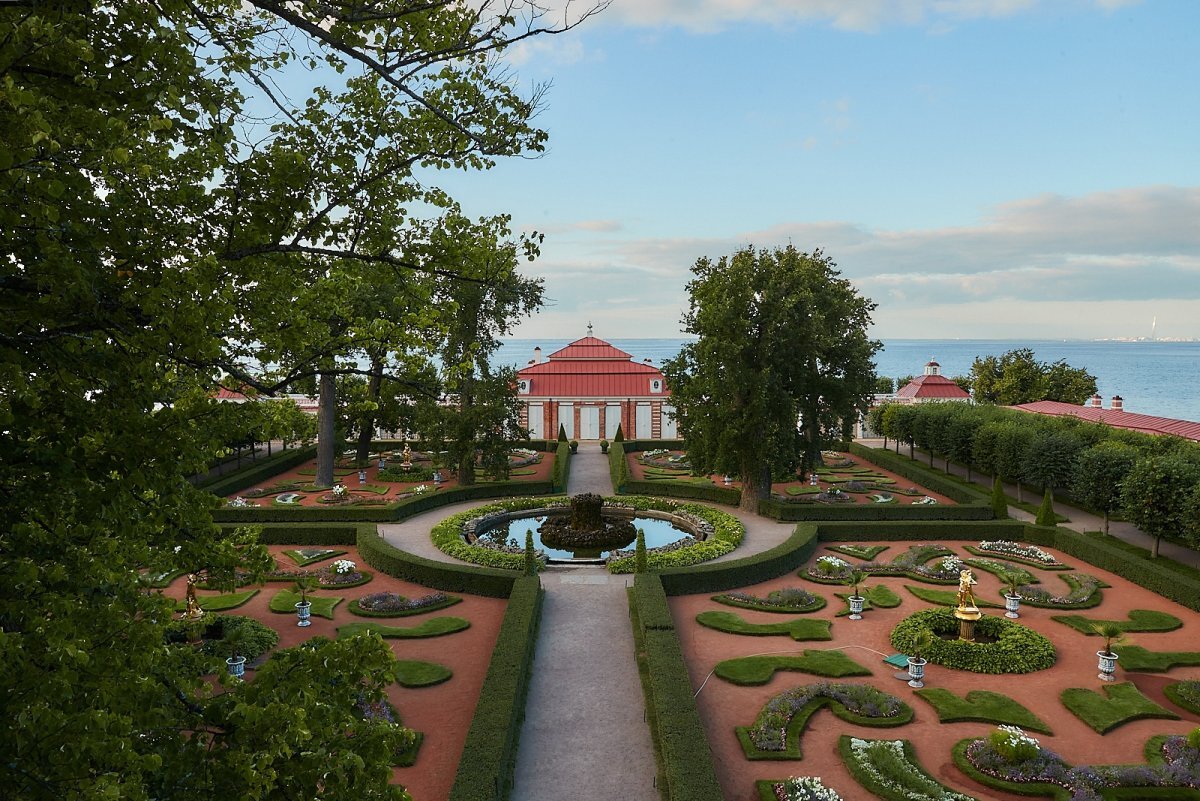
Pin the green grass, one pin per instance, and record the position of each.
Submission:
(804, 489)
(434, 627)
(1121, 703)
(285, 601)
(1144, 620)
(413, 673)
(893, 773)
(1079, 596)
(307, 556)
(354, 608)
(982, 706)
(761, 605)
(866, 552)
(799, 629)
(1135, 657)
(1002, 570)
(879, 595)
(799, 721)
(1185, 694)
(946, 597)
(219, 603)
(756, 670)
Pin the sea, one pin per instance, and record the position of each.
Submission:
(1151, 376)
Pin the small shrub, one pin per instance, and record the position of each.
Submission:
(1193, 739)
(1013, 745)
(1045, 515)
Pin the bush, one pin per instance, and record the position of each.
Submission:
(727, 534)
(399, 474)
(388, 559)
(999, 499)
(674, 489)
(686, 761)
(1045, 514)
(258, 472)
(785, 510)
(783, 558)
(1013, 745)
(303, 533)
(1016, 649)
(574, 444)
(562, 467)
(485, 770)
(1169, 579)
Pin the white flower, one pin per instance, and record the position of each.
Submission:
(420, 488)
(178, 548)
(340, 490)
(342, 566)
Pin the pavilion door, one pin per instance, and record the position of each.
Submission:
(536, 421)
(669, 430)
(642, 421)
(566, 417)
(589, 422)
(612, 419)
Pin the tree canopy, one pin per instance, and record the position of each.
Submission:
(191, 191)
(782, 362)
(1017, 377)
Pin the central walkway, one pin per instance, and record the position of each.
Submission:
(585, 735)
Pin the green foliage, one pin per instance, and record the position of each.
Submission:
(1045, 515)
(786, 601)
(780, 560)
(983, 706)
(749, 311)
(946, 597)
(562, 433)
(889, 770)
(879, 596)
(448, 601)
(727, 534)
(1155, 493)
(639, 557)
(395, 474)
(1013, 648)
(1135, 657)
(866, 552)
(485, 771)
(388, 559)
(1139, 620)
(220, 603)
(561, 471)
(1166, 577)
(414, 673)
(1012, 747)
(799, 629)
(1084, 593)
(1017, 377)
(531, 562)
(934, 480)
(253, 638)
(1009, 574)
(433, 627)
(1121, 703)
(1099, 472)
(686, 772)
(447, 535)
(304, 559)
(757, 670)
(708, 492)
(999, 499)
(1187, 695)
(620, 435)
(258, 472)
(284, 602)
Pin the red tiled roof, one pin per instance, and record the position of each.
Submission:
(590, 368)
(226, 394)
(1117, 418)
(932, 386)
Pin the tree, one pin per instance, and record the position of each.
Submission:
(884, 385)
(1156, 496)
(1017, 377)
(1050, 459)
(162, 207)
(1099, 473)
(782, 360)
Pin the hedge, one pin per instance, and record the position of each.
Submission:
(304, 534)
(783, 510)
(633, 445)
(489, 757)
(1163, 576)
(719, 576)
(381, 514)
(562, 468)
(686, 762)
(915, 471)
(676, 489)
(386, 558)
(618, 468)
(258, 471)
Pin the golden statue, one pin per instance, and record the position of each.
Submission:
(966, 596)
(407, 462)
(192, 610)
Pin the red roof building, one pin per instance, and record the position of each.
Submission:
(1116, 417)
(590, 387)
(932, 386)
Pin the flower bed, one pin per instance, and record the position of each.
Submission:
(785, 715)
(1011, 760)
(391, 604)
(912, 563)
(801, 788)
(789, 599)
(1185, 694)
(1015, 648)
(1084, 593)
(889, 770)
(1017, 552)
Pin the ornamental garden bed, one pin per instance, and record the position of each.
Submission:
(741, 674)
(852, 481)
(295, 487)
(441, 669)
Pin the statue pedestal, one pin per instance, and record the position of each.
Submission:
(966, 622)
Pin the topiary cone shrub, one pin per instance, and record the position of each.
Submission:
(620, 435)
(530, 559)
(999, 502)
(639, 556)
(562, 433)
(1045, 515)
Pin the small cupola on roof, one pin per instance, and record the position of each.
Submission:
(933, 368)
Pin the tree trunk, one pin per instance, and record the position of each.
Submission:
(910, 451)
(885, 443)
(1106, 522)
(756, 486)
(268, 449)
(326, 429)
(367, 429)
(1154, 550)
(1019, 498)
(466, 469)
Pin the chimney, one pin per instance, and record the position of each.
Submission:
(1096, 402)
(1118, 405)
(647, 360)
(537, 355)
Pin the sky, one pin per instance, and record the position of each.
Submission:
(1000, 169)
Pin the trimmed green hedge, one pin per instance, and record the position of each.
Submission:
(686, 762)
(654, 613)
(401, 510)
(304, 533)
(258, 471)
(1163, 576)
(485, 771)
(1014, 648)
(677, 489)
(720, 576)
(638, 445)
(561, 472)
(922, 475)
(618, 468)
(782, 510)
(385, 558)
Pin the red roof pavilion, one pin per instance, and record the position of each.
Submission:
(591, 368)
(932, 386)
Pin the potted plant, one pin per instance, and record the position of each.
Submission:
(856, 600)
(304, 606)
(604, 446)
(1012, 599)
(235, 642)
(1112, 633)
(917, 662)
(574, 445)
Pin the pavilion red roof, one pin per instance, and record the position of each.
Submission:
(591, 368)
(932, 386)
(1117, 418)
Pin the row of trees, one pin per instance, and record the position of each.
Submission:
(1014, 377)
(195, 191)
(1153, 480)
